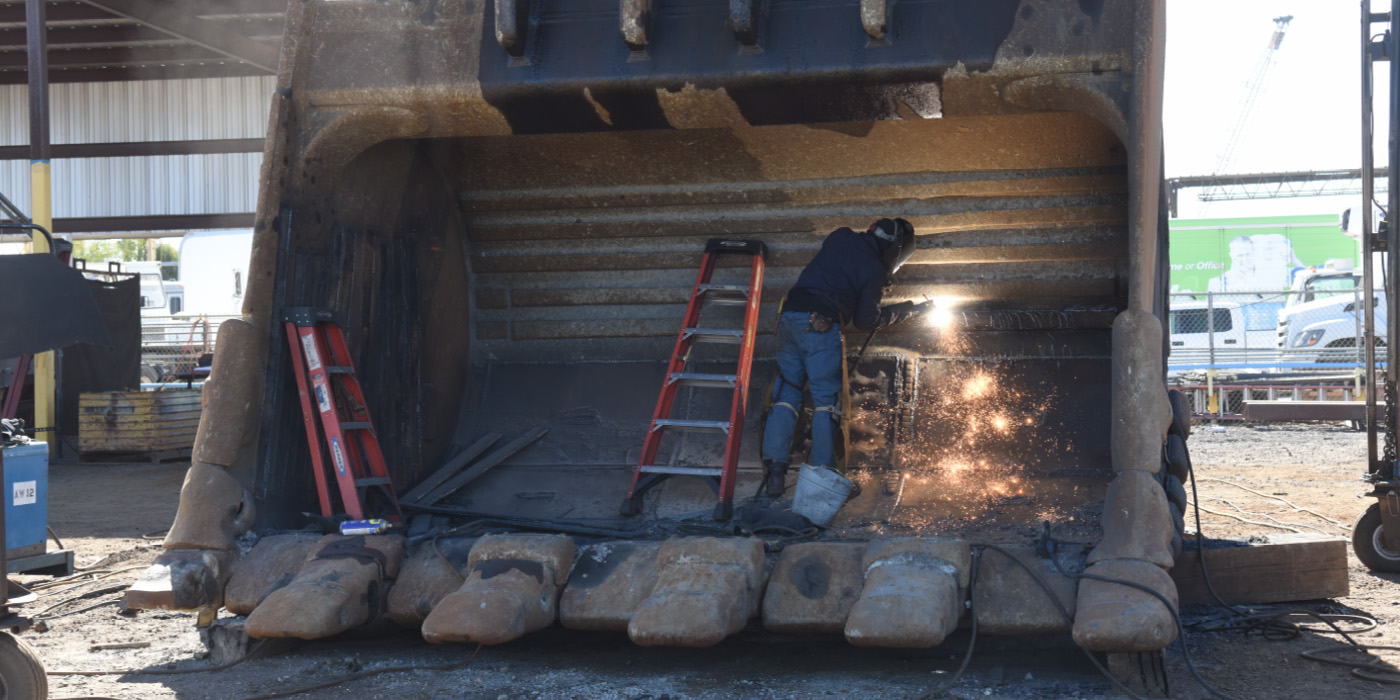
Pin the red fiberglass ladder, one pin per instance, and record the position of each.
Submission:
(319, 354)
(648, 473)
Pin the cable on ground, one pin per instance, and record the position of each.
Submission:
(971, 642)
(1279, 626)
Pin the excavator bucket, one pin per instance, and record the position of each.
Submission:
(505, 203)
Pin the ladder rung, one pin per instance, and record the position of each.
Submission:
(727, 301)
(738, 289)
(339, 369)
(718, 426)
(687, 471)
(715, 335)
(373, 481)
(719, 381)
(356, 425)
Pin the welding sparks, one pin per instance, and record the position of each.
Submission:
(941, 317)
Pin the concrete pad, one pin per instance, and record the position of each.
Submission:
(182, 579)
(706, 589)
(1112, 617)
(911, 597)
(427, 578)
(813, 587)
(1141, 412)
(512, 588)
(272, 564)
(1009, 601)
(1137, 522)
(609, 582)
(333, 592)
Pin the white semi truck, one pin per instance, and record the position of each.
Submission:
(1325, 315)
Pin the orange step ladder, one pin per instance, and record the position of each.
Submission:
(323, 369)
(647, 473)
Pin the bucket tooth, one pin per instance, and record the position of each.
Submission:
(512, 589)
(1117, 618)
(609, 582)
(431, 572)
(340, 587)
(813, 587)
(272, 564)
(182, 579)
(706, 589)
(913, 593)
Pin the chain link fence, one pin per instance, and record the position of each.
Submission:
(1314, 329)
(172, 346)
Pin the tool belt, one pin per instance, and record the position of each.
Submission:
(817, 323)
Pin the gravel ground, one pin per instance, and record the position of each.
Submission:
(1313, 466)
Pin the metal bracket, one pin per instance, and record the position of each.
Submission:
(512, 25)
(1390, 519)
(743, 21)
(634, 18)
(875, 17)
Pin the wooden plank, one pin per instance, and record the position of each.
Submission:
(453, 465)
(1286, 568)
(486, 463)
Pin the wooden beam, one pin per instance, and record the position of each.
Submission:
(483, 466)
(1286, 568)
(138, 148)
(221, 69)
(177, 21)
(158, 222)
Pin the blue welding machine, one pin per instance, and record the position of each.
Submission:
(27, 499)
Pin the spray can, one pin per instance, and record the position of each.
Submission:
(373, 526)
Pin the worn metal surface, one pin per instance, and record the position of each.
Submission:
(508, 221)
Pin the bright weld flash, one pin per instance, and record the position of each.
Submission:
(941, 316)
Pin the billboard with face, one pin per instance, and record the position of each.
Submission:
(1258, 254)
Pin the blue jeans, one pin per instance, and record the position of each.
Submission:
(815, 358)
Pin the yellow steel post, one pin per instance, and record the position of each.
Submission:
(44, 385)
(37, 65)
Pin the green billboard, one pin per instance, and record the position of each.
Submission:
(1254, 254)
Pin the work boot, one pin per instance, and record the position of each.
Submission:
(776, 482)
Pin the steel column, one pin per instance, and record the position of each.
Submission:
(40, 209)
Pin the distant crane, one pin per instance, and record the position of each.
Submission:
(1252, 88)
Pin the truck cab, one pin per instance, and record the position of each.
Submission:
(1325, 314)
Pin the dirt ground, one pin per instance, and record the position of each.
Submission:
(103, 512)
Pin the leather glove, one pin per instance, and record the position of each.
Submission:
(895, 313)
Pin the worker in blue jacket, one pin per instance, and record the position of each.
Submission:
(843, 284)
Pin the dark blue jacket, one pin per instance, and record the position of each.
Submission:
(846, 281)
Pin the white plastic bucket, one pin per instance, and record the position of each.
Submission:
(819, 494)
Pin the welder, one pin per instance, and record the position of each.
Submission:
(843, 284)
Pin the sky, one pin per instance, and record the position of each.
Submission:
(1307, 112)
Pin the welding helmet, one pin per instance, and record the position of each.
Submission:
(896, 240)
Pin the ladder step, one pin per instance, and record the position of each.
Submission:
(726, 301)
(339, 369)
(718, 381)
(686, 471)
(733, 336)
(373, 481)
(725, 289)
(356, 425)
(717, 426)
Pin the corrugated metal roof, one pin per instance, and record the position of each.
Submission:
(111, 40)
